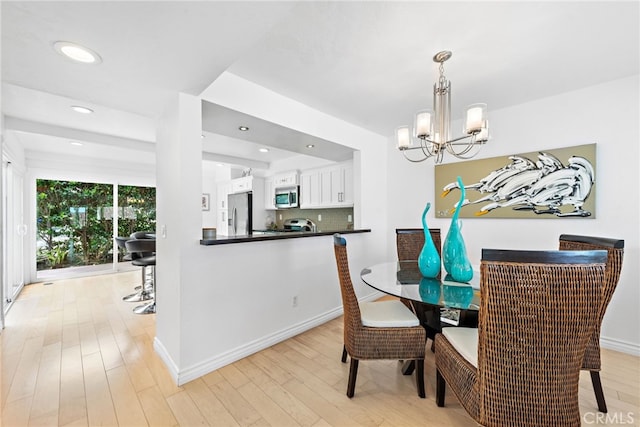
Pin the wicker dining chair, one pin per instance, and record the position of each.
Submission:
(521, 366)
(615, 250)
(409, 242)
(376, 330)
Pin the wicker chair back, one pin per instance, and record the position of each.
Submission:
(535, 321)
(615, 250)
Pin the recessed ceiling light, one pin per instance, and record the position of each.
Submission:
(243, 128)
(264, 150)
(77, 144)
(310, 145)
(77, 53)
(82, 110)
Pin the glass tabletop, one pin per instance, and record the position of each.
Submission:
(403, 279)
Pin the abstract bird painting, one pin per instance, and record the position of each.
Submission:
(526, 186)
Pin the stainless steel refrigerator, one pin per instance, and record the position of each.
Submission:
(240, 214)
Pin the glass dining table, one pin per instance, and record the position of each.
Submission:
(437, 302)
(404, 280)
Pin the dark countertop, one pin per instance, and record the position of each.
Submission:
(275, 235)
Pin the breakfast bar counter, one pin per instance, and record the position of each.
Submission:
(275, 235)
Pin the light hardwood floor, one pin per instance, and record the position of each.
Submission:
(74, 354)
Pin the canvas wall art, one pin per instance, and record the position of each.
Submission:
(557, 183)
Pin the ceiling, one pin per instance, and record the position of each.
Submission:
(368, 63)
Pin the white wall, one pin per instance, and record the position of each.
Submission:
(607, 115)
(209, 170)
(217, 304)
(300, 162)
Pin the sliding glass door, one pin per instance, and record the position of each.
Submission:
(76, 223)
(73, 225)
(14, 231)
(136, 211)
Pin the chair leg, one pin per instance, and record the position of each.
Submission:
(440, 389)
(344, 354)
(420, 377)
(353, 373)
(597, 388)
(408, 367)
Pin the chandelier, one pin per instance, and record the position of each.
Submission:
(432, 128)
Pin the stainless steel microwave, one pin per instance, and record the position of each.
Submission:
(287, 197)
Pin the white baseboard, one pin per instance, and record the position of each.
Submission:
(168, 361)
(621, 346)
(196, 371)
(202, 368)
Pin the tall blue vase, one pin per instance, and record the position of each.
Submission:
(454, 256)
(429, 259)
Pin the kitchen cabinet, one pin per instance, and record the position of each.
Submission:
(342, 185)
(310, 196)
(222, 224)
(223, 191)
(242, 185)
(269, 194)
(285, 179)
(327, 187)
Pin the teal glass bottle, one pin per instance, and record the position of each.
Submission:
(429, 259)
(454, 252)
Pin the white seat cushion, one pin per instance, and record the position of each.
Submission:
(387, 314)
(465, 341)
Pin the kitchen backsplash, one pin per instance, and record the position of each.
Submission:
(331, 219)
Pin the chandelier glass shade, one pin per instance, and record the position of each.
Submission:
(431, 132)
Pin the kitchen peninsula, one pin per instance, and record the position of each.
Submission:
(274, 235)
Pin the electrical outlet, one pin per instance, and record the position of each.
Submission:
(319, 217)
(294, 301)
(280, 217)
(349, 219)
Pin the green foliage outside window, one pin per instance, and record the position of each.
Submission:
(75, 220)
(137, 209)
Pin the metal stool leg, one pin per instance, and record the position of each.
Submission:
(143, 294)
(149, 308)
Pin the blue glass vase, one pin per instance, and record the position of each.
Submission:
(454, 255)
(429, 259)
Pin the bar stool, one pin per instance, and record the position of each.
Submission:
(142, 250)
(143, 235)
(144, 262)
(121, 244)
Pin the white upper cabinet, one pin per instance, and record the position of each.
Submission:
(310, 190)
(285, 179)
(342, 185)
(328, 187)
(242, 185)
